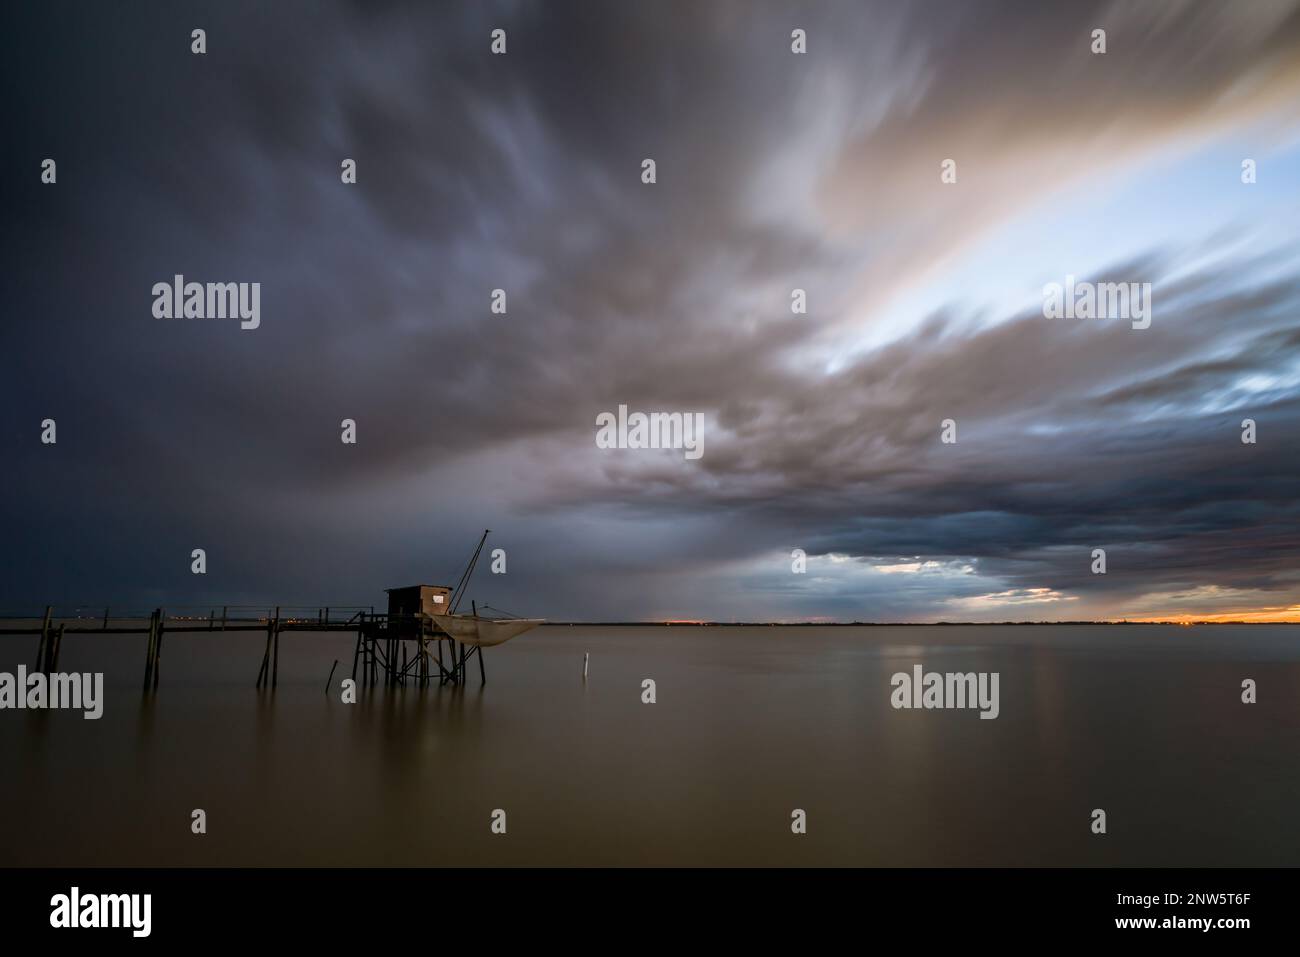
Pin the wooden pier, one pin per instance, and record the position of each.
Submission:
(394, 649)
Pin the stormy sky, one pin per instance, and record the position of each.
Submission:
(775, 171)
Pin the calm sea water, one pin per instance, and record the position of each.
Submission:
(749, 724)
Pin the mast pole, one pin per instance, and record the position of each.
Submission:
(459, 593)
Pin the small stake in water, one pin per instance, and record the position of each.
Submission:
(330, 679)
(586, 657)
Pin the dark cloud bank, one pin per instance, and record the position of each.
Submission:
(522, 172)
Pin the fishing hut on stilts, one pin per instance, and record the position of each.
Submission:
(422, 636)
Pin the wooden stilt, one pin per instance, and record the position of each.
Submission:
(148, 652)
(275, 660)
(106, 619)
(266, 655)
(482, 675)
(356, 654)
(58, 646)
(45, 640)
(157, 645)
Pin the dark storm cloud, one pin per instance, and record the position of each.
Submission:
(522, 172)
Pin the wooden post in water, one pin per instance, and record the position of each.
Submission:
(58, 646)
(370, 654)
(275, 661)
(157, 645)
(482, 675)
(266, 655)
(106, 619)
(148, 652)
(356, 654)
(365, 654)
(45, 639)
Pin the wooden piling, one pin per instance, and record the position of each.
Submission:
(106, 619)
(266, 656)
(41, 648)
(275, 660)
(58, 646)
(148, 652)
(482, 675)
(157, 645)
(356, 654)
